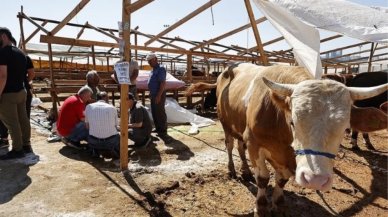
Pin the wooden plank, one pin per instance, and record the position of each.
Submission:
(346, 47)
(22, 39)
(137, 5)
(70, 16)
(103, 32)
(263, 57)
(33, 22)
(34, 32)
(183, 20)
(372, 51)
(126, 22)
(78, 35)
(232, 32)
(88, 43)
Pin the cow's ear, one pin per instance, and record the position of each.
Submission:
(368, 119)
(280, 101)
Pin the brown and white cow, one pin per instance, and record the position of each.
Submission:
(288, 118)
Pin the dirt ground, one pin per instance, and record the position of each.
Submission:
(185, 178)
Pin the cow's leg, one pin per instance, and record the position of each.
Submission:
(229, 146)
(367, 141)
(278, 202)
(353, 140)
(246, 172)
(262, 179)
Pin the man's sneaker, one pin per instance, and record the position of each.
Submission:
(12, 155)
(27, 149)
(69, 143)
(4, 143)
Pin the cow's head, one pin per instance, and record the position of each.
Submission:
(318, 112)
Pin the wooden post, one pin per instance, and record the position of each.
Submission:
(189, 78)
(372, 50)
(93, 58)
(22, 45)
(189, 65)
(263, 57)
(126, 22)
(136, 57)
(52, 78)
(107, 63)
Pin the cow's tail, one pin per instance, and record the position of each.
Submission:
(198, 87)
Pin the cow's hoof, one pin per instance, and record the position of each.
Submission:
(232, 175)
(370, 146)
(355, 148)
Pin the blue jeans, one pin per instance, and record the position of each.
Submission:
(79, 133)
(111, 143)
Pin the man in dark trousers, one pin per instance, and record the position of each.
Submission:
(156, 86)
(30, 74)
(13, 95)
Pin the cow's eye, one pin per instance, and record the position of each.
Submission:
(292, 124)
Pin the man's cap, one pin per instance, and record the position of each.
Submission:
(131, 96)
(150, 56)
(5, 30)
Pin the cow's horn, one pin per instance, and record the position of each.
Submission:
(281, 89)
(360, 93)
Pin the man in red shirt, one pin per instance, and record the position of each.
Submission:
(70, 124)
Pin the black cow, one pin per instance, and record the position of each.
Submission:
(368, 79)
(210, 100)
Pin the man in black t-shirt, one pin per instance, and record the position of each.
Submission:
(13, 96)
(140, 123)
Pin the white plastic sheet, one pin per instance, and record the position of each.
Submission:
(348, 18)
(179, 115)
(304, 39)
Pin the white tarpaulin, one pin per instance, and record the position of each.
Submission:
(303, 38)
(348, 18)
(179, 115)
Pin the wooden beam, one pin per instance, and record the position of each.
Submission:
(33, 22)
(346, 47)
(137, 5)
(372, 51)
(79, 35)
(70, 16)
(126, 22)
(103, 32)
(76, 42)
(331, 38)
(264, 44)
(263, 57)
(180, 22)
(34, 32)
(88, 43)
(69, 24)
(163, 42)
(232, 32)
(358, 52)
(23, 42)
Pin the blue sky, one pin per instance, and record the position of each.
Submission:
(227, 15)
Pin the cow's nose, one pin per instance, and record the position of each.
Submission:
(318, 182)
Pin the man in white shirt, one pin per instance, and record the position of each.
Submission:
(101, 119)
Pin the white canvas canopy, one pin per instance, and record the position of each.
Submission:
(350, 19)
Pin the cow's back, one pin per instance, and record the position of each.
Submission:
(370, 79)
(231, 86)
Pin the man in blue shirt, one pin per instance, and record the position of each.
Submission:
(156, 86)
